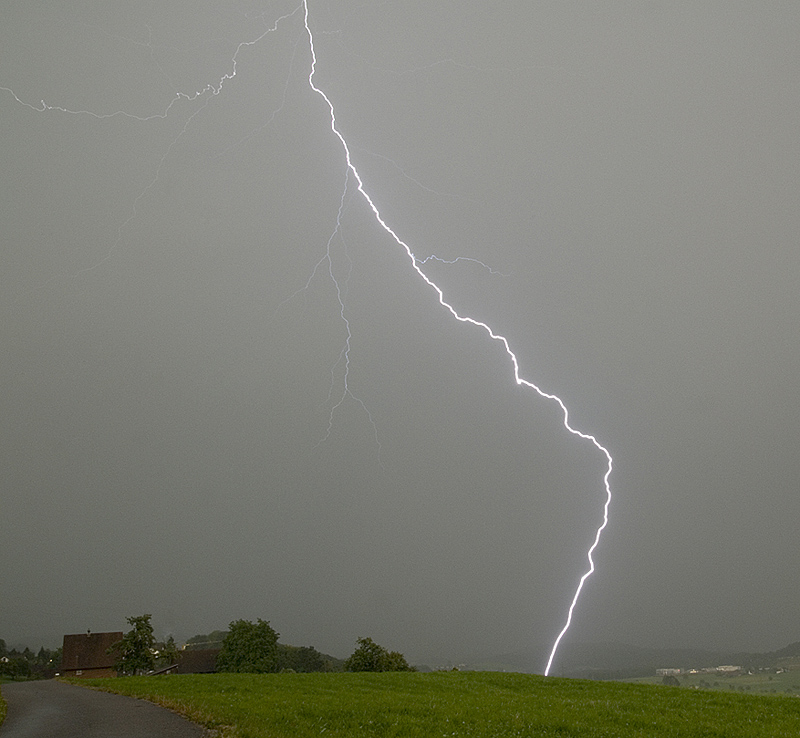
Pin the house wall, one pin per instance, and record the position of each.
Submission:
(89, 654)
(89, 673)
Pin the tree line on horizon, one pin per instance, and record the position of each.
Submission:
(26, 664)
(247, 647)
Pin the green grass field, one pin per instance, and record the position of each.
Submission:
(476, 704)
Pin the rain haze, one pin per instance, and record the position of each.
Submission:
(216, 404)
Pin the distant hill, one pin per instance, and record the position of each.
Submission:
(624, 661)
(205, 642)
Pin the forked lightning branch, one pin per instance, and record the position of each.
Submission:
(415, 263)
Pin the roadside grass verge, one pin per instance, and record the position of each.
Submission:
(475, 704)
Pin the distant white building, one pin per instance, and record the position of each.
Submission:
(668, 672)
(728, 669)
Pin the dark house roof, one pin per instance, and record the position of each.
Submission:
(200, 661)
(89, 650)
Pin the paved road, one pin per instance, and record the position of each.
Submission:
(50, 709)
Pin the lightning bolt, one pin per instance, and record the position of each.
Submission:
(214, 89)
(344, 354)
(416, 265)
(211, 90)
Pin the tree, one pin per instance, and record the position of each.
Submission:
(299, 658)
(16, 668)
(135, 650)
(369, 656)
(249, 647)
(168, 653)
(397, 662)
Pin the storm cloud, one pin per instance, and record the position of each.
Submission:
(182, 433)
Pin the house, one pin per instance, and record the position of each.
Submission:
(668, 672)
(199, 661)
(87, 655)
(191, 661)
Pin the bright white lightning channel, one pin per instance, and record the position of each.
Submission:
(416, 265)
(416, 262)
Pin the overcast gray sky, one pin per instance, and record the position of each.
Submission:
(177, 437)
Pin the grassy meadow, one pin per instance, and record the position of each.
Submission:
(475, 704)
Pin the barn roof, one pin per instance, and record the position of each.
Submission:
(201, 661)
(89, 650)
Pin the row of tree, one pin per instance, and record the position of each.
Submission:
(247, 647)
(244, 647)
(27, 664)
(254, 647)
